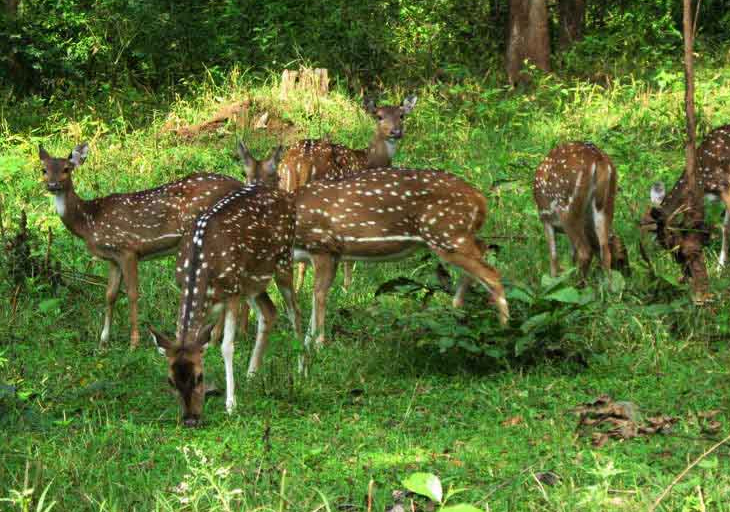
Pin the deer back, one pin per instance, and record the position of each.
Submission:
(381, 211)
(233, 249)
(571, 177)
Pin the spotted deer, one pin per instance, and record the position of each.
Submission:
(126, 228)
(713, 175)
(574, 189)
(232, 252)
(318, 159)
(386, 214)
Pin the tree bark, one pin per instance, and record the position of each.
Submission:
(694, 234)
(572, 15)
(528, 38)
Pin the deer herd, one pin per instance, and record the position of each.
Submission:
(323, 203)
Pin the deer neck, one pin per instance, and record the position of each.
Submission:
(676, 196)
(381, 151)
(72, 210)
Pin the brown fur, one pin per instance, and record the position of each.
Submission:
(232, 252)
(574, 181)
(385, 214)
(713, 176)
(126, 228)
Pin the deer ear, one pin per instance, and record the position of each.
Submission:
(43, 154)
(409, 103)
(370, 106)
(79, 154)
(249, 163)
(203, 337)
(273, 162)
(657, 193)
(161, 341)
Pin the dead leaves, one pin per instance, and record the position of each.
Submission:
(607, 419)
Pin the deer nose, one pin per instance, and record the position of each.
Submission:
(53, 186)
(396, 134)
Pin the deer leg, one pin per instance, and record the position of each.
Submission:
(284, 282)
(462, 287)
(347, 270)
(112, 292)
(469, 259)
(244, 313)
(217, 332)
(266, 314)
(325, 267)
(129, 272)
(301, 271)
(582, 247)
(602, 229)
(552, 247)
(229, 334)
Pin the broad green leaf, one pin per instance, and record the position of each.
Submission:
(568, 295)
(461, 507)
(425, 484)
(549, 283)
(523, 343)
(534, 322)
(520, 295)
(48, 305)
(710, 463)
(618, 283)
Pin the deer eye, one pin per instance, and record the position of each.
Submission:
(199, 379)
(380, 117)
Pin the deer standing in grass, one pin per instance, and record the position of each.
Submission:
(575, 188)
(713, 176)
(310, 160)
(385, 214)
(126, 228)
(232, 252)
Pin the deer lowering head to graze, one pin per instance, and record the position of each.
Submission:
(386, 214)
(125, 228)
(320, 159)
(713, 176)
(575, 188)
(232, 252)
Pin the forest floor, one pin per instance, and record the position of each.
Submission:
(407, 384)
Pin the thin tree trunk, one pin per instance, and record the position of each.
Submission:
(692, 240)
(572, 21)
(528, 38)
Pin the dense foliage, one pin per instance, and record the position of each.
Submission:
(52, 47)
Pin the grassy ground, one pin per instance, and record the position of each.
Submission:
(99, 430)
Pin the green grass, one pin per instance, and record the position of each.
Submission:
(100, 429)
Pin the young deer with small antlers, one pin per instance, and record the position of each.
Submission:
(310, 160)
(386, 214)
(232, 253)
(574, 189)
(713, 175)
(126, 228)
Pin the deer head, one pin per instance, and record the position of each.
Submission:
(57, 171)
(389, 118)
(185, 370)
(263, 171)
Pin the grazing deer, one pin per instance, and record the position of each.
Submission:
(126, 228)
(310, 160)
(574, 189)
(232, 253)
(713, 175)
(386, 214)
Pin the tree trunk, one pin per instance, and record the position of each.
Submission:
(694, 233)
(572, 21)
(11, 8)
(528, 38)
